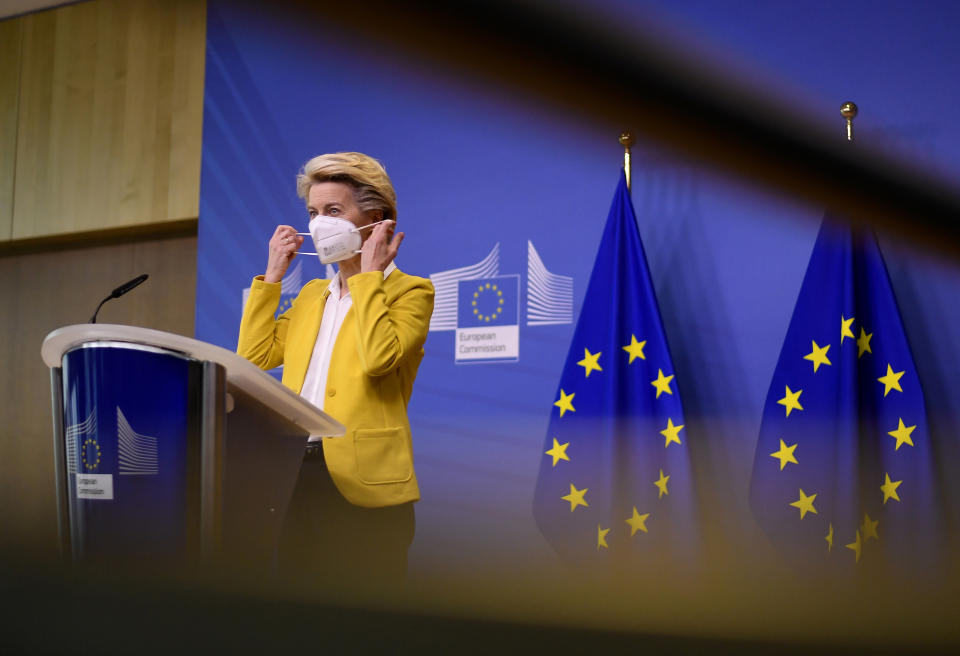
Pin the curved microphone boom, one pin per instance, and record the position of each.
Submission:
(118, 292)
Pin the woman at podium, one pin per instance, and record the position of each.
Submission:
(351, 345)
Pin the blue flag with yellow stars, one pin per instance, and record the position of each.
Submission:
(615, 477)
(844, 471)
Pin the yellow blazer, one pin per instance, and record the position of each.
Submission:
(372, 369)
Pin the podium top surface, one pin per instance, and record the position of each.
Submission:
(240, 372)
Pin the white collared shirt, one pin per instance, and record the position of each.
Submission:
(334, 312)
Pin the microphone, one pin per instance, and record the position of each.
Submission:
(118, 292)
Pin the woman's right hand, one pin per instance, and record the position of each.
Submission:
(283, 248)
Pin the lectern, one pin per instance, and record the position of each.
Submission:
(169, 449)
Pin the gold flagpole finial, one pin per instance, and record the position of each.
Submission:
(848, 110)
(626, 140)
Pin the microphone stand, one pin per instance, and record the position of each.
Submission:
(118, 292)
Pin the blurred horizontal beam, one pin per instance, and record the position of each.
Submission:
(603, 75)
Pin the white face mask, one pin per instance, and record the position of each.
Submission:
(335, 239)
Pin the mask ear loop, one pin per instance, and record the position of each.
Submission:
(305, 234)
(369, 225)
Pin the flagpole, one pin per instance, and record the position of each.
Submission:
(848, 110)
(626, 140)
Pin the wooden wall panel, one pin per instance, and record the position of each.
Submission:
(111, 107)
(10, 31)
(42, 292)
(186, 108)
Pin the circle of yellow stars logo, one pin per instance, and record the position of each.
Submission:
(902, 433)
(91, 442)
(558, 454)
(497, 309)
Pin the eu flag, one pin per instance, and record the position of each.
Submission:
(844, 471)
(615, 477)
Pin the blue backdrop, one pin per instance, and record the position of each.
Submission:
(494, 186)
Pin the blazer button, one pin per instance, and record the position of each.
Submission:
(331, 392)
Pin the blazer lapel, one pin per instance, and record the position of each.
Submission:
(305, 340)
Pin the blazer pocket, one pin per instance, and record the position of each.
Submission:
(382, 456)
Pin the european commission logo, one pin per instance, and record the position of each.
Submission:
(488, 327)
(484, 307)
(136, 455)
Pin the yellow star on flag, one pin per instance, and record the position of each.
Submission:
(891, 380)
(662, 383)
(602, 537)
(661, 484)
(785, 454)
(575, 497)
(589, 362)
(856, 547)
(863, 343)
(818, 356)
(670, 433)
(565, 402)
(889, 489)
(635, 349)
(845, 329)
(637, 522)
(869, 528)
(902, 433)
(558, 452)
(805, 504)
(791, 401)
(829, 539)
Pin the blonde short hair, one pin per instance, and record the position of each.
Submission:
(371, 185)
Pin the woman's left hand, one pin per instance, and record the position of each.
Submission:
(379, 250)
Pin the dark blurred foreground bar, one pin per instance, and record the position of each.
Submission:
(85, 612)
(606, 74)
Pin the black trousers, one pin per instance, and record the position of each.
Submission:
(329, 542)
